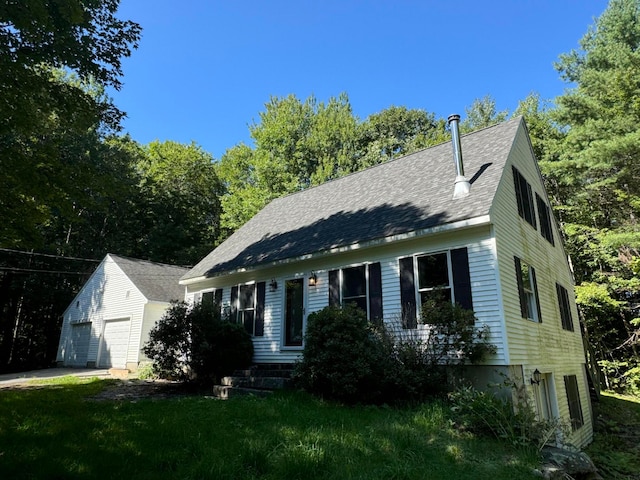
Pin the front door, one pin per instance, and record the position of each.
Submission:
(294, 312)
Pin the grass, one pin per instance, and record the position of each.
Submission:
(616, 446)
(55, 432)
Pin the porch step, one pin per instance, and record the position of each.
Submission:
(259, 380)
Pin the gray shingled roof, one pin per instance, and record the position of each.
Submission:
(156, 281)
(403, 195)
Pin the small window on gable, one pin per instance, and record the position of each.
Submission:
(573, 399)
(527, 291)
(565, 308)
(524, 197)
(544, 214)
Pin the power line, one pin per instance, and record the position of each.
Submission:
(33, 270)
(49, 255)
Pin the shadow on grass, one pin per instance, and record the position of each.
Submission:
(56, 433)
(616, 446)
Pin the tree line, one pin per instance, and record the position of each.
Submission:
(75, 187)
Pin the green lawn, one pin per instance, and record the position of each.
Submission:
(55, 432)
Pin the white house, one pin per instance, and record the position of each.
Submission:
(387, 236)
(109, 320)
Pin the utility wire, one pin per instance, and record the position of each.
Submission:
(49, 255)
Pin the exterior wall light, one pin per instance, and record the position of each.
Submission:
(536, 377)
(273, 286)
(313, 279)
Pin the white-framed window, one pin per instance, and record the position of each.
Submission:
(528, 291)
(441, 275)
(360, 285)
(434, 277)
(247, 307)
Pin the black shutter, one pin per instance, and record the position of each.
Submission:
(519, 193)
(218, 296)
(259, 320)
(334, 288)
(461, 278)
(535, 292)
(408, 293)
(529, 208)
(233, 311)
(523, 300)
(573, 399)
(375, 292)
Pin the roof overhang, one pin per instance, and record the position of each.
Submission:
(447, 227)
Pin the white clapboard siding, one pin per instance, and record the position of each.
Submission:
(546, 345)
(108, 294)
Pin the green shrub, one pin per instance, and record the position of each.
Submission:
(485, 413)
(343, 359)
(195, 343)
(348, 359)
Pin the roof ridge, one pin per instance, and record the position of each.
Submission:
(141, 260)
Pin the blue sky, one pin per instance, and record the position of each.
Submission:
(205, 68)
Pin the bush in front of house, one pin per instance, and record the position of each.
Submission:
(196, 343)
(343, 358)
(349, 359)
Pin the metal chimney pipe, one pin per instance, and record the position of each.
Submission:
(461, 186)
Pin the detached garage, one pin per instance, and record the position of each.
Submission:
(109, 320)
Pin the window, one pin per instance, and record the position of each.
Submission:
(361, 285)
(212, 297)
(433, 278)
(354, 286)
(544, 214)
(565, 308)
(444, 274)
(524, 197)
(247, 307)
(528, 291)
(573, 399)
(543, 395)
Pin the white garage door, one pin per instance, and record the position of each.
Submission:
(115, 344)
(77, 348)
